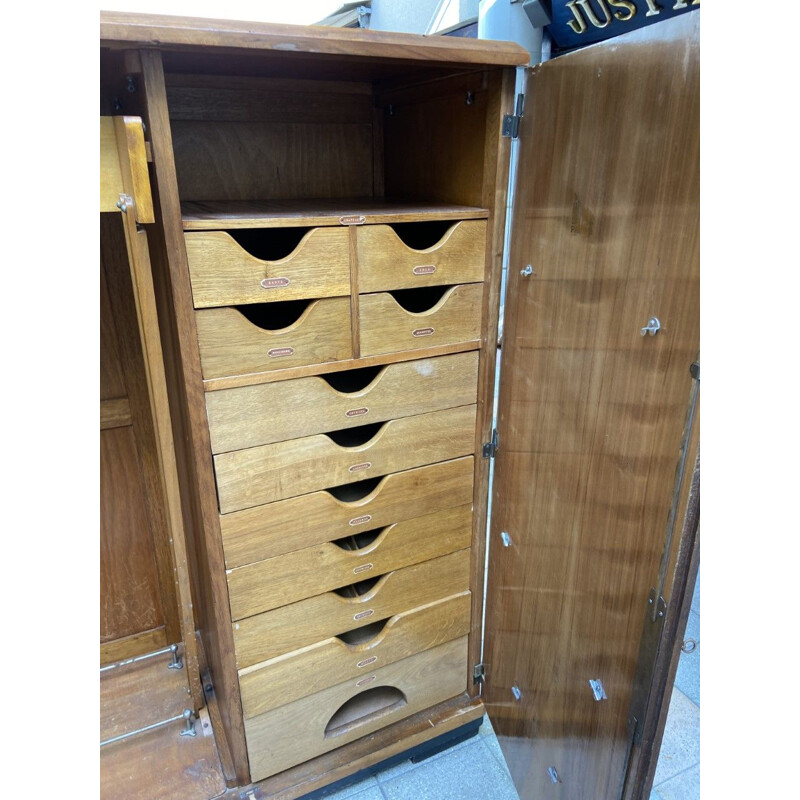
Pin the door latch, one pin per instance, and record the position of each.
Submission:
(653, 327)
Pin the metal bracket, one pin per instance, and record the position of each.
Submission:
(597, 689)
(653, 327)
(490, 448)
(658, 607)
(527, 272)
(479, 673)
(511, 122)
(124, 203)
(517, 692)
(505, 539)
(176, 662)
(553, 773)
(189, 730)
(694, 371)
(253, 793)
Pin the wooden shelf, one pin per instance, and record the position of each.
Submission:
(215, 215)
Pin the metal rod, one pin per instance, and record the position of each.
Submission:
(181, 717)
(139, 658)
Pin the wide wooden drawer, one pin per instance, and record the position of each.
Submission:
(304, 573)
(289, 677)
(272, 412)
(272, 472)
(387, 327)
(300, 522)
(298, 731)
(224, 273)
(232, 344)
(385, 262)
(291, 627)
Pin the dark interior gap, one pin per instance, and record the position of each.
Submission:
(274, 316)
(365, 706)
(269, 244)
(358, 589)
(354, 491)
(357, 541)
(351, 380)
(421, 299)
(422, 235)
(363, 634)
(355, 437)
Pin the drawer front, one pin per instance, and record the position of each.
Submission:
(305, 573)
(386, 327)
(272, 472)
(385, 262)
(232, 345)
(281, 680)
(301, 522)
(291, 627)
(273, 412)
(298, 731)
(223, 273)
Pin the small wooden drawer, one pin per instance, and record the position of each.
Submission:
(301, 522)
(232, 344)
(385, 262)
(388, 327)
(281, 680)
(305, 573)
(224, 273)
(271, 472)
(273, 412)
(291, 627)
(303, 729)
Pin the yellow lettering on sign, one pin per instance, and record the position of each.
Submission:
(620, 15)
(653, 8)
(586, 5)
(684, 4)
(578, 24)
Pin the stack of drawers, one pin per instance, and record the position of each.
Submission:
(346, 498)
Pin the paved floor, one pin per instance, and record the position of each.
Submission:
(678, 770)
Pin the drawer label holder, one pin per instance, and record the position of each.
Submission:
(362, 568)
(277, 352)
(357, 412)
(367, 661)
(274, 283)
(360, 467)
(363, 614)
(360, 520)
(365, 681)
(422, 332)
(424, 269)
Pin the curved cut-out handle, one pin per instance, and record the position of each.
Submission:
(365, 707)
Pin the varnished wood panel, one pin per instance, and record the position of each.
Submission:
(292, 212)
(419, 681)
(134, 645)
(223, 273)
(385, 262)
(282, 630)
(273, 472)
(230, 344)
(266, 531)
(591, 413)
(115, 413)
(249, 416)
(294, 576)
(281, 680)
(110, 174)
(387, 327)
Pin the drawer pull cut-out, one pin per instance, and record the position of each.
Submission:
(357, 589)
(274, 316)
(359, 541)
(351, 492)
(355, 437)
(365, 707)
(418, 301)
(269, 244)
(351, 381)
(367, 633)
(422, 235)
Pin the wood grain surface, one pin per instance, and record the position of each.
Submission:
(272, 472)
(288, 525)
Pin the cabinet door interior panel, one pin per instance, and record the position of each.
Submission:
(286, 678)
(224, 273)
(288, 525)
(272, 412)
(303, 573)
(288, 628)
(271, 472)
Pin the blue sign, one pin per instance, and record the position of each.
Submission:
(579, 22)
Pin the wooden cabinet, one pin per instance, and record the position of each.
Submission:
(327, 255)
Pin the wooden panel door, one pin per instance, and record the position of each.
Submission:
(592, 412)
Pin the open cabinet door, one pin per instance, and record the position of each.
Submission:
(593, 407)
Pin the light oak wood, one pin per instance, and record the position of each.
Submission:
(272, 472)
(230, 344)
(292, 212)
(134, 645)
(257, 378)
(386, 327)
(133, 166)
(386, 262)
(281, 680)
(305, 573)
(223, 273)
(110, 171)
(115, 413)
(249, 416)
(282, 630)
(301, 522)
(419, 681)
(151, 29)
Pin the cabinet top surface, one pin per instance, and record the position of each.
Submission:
(171, 32)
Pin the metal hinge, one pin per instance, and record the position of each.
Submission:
(511, 121)
(658, 606)
(478, 673)
(490, 448)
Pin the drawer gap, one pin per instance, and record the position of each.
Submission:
(274, 316)
(363, 708)
(422, 235)
(269, 244)
(356, 437)
(352, 492)
(359, 541)
(420, 300)
(352, 380)
(361, 636)
(358, 589)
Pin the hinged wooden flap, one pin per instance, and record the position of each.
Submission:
(601, 332)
